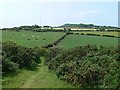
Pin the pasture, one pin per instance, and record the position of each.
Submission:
(76, 40)
(31, 39)
(38, 39)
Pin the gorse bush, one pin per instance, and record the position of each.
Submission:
(86, 66)
(8, 66)
(16, 57)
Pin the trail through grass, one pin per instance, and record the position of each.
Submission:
(45, 79)
(41, 78)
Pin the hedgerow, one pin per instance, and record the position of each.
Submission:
(86, 66)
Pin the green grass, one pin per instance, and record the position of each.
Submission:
(17, 81)
(41, 78)
(77, 40)
(39, 39)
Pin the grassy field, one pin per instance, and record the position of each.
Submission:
(101, 33)
(77, 40)
(31, 39)
(41, 78)
(40, 39)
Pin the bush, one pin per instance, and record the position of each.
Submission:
(109, 35)
(82, 33)
(9, 66)
(10, 48)
(86, 66)
(20, 57)
(93, 34)
(52, 53)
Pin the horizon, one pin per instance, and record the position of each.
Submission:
(61, 25)
(58, 13)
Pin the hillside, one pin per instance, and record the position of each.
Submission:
(85, 26)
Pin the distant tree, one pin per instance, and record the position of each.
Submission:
(46, 26)
(36, 26)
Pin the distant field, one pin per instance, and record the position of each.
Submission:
(76, 40)
(31, 39)
(101, 33)
(83, 29)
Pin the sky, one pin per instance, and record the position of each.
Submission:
(15, 14)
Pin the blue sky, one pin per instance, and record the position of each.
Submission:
(58, 13)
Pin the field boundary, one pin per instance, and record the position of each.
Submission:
(90, 34)
(72, 33)
(56, 42)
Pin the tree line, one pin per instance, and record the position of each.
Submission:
(65, 26)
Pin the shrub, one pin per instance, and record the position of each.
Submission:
(86, 66)
(9, 66)
(82, 33)
(109, 35)
(20, 57)
(93, 34)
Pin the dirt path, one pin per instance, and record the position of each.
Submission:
(45, 79)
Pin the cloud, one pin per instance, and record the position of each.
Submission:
(82, 14)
